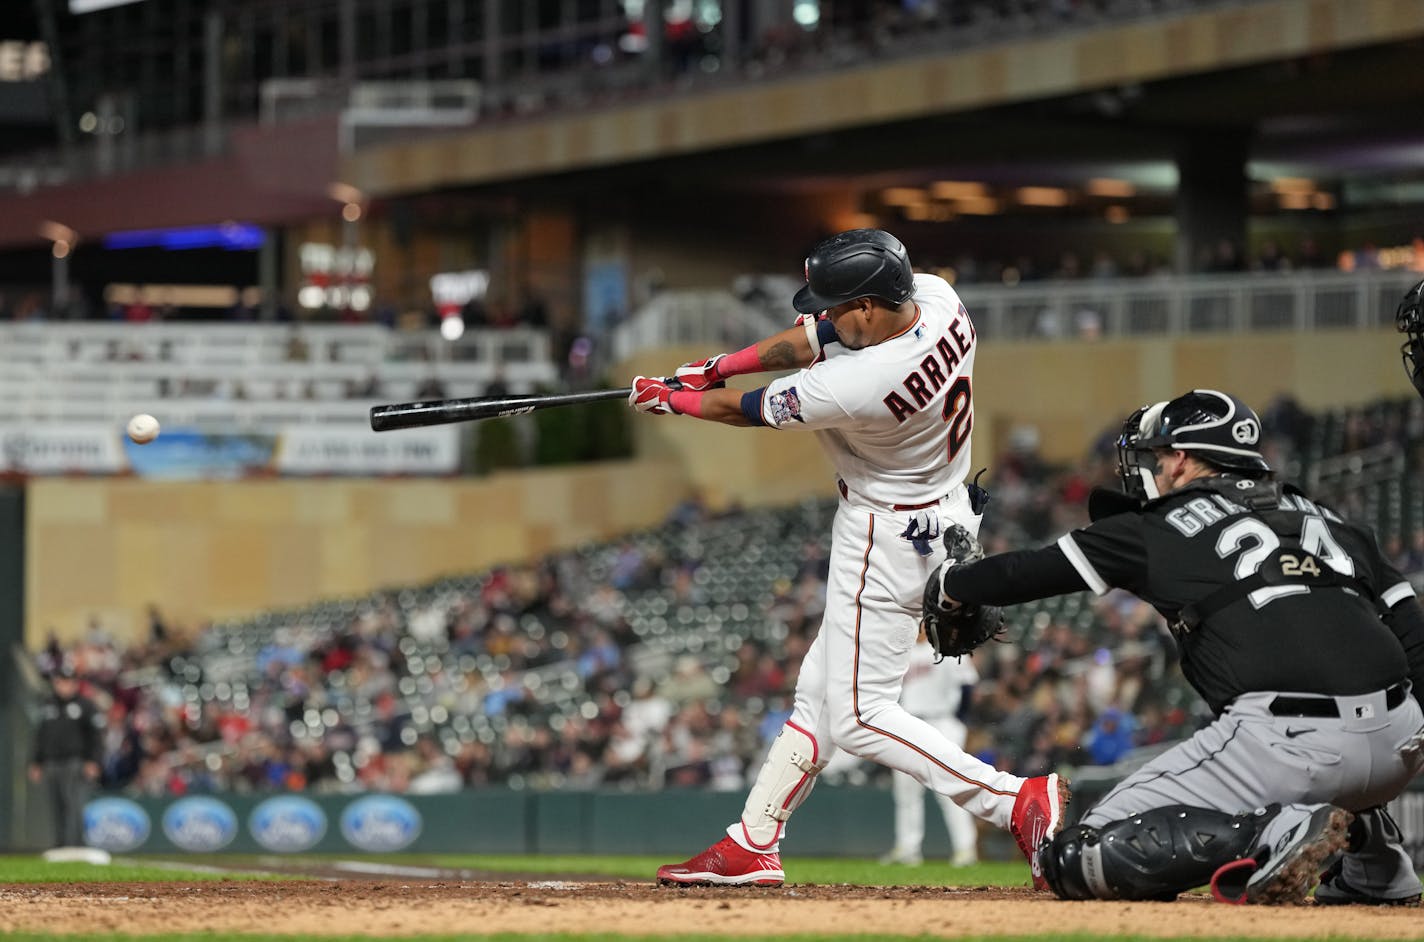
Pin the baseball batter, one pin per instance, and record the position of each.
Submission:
(1295, 630)
(884, 378)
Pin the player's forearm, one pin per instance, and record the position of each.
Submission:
(792, 349)
(714, 405)
(789, 350)
(1011, 578)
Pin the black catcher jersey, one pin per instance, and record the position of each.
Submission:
(1265, 590)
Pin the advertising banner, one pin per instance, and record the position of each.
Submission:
(187, 454)
(316, 449)
(191, 454)
(63, 449)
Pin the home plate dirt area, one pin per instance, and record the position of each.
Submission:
(413, 907)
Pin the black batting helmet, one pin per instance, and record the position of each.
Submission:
(854, 264)
(1213, 426)
(1409, 318)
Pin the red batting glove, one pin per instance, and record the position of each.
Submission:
(701, 375)
(803, 318)
(651, 394)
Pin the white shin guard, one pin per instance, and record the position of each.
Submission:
(785, 779)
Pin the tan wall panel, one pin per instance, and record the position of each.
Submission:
(243, 561)
(204, 550)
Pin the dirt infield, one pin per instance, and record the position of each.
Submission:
(393, 908)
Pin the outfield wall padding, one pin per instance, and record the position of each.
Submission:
(839, 821)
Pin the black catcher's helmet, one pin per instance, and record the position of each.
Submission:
(854, 264)
(1214, 426)
(1409, 318)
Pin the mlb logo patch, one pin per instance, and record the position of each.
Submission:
(786, 406)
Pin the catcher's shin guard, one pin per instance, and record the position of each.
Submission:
(786, 778)
(1153, 855)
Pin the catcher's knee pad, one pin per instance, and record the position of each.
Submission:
(1153, 855)
(785, 779)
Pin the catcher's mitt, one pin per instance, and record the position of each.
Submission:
(956, 631)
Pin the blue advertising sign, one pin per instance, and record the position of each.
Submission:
(380, 823)
(287, 824)
(200, 824)
(188, 453)
(115, 824)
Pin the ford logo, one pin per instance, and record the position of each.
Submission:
(380, 823)
(199, 824)
(287, 824)
(115, 824)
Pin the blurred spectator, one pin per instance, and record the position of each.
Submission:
(298, 350)
(431, 388)
(1111, 737)
(138, 311)
(369, 388)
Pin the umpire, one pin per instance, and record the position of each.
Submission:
(66, 756)
(1291, 625)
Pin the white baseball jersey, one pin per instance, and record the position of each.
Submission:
(895, 417)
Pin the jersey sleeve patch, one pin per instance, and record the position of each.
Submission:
(784, 406)
(1080, 562)
(1396, 594)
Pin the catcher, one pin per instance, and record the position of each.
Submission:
(1301, 638)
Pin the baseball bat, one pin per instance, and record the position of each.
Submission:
(445, 411)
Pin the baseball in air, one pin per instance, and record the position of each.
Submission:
(143, 428)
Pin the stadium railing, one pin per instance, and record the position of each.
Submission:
(1054, 310)
(680, 318)
(1187, 304)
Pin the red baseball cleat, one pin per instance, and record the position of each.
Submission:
(1038, 814)
(725, 863)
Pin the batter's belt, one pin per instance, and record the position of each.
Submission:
(1329, 707)
(854, 499)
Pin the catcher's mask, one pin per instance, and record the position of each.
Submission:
(1409, 318)
(1215, 427)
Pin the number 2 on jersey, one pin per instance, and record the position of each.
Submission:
(1256, 542)
(959, 413)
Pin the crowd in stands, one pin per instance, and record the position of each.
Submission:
(645, 663)
(1225, 258)
(698, 49)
